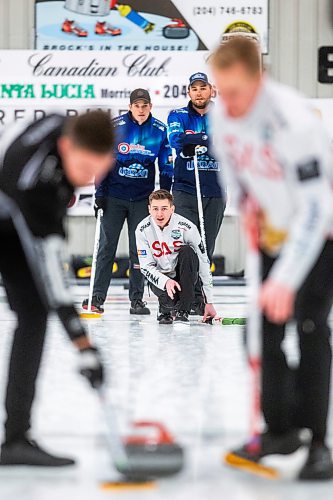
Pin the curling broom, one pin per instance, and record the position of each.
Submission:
(90, 314)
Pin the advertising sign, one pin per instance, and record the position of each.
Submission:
(34, 83)
(92, 79)
(146, 25)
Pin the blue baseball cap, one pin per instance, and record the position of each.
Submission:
(202, 77)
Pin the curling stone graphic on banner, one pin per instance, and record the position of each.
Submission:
(176, 30)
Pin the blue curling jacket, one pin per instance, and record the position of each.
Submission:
(181, 123)
(136, 149)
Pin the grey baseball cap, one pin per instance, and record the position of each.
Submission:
(140, 95)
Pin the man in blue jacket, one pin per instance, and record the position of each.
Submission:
(188, 127)
(141, 139)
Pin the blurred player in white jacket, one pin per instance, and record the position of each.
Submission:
(278, 166)
(172, 257)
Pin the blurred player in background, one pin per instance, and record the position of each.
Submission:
(41, 164)
(172, 257)
(187, 128)
(278, 166)
(123, 195)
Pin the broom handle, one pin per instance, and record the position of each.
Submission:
(199, 199)
(254, 327)
(94, 259)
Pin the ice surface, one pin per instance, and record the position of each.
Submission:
(194, 379)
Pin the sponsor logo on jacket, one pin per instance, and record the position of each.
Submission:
(185, 224)
(142, 228)
(134, 171)
(150, 276)
(176, 125)
(161, 248)
(124, 148)
(142, 253)
(260, 160)
(159, 125)
(208, 164)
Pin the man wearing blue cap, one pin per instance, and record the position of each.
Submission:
(188, 127)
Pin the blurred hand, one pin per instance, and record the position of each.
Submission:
(171, 288)
(90, 366)
(100, 204)
(276, 301)
(192, 141)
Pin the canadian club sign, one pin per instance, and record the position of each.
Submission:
(42, 80)
(95, 78)
(133, 64)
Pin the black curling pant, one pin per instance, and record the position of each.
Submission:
(187, 274)
(300, 397)
(213, 208)
(115, 214)
(29, 335)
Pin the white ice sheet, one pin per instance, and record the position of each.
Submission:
(192, 378)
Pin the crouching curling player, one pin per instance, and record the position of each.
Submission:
(172, 257)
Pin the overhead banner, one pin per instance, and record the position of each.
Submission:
(146, 25)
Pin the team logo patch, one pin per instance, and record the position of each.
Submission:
(176, 234)
(308, 171)
(142, 253)
(205, 163)
(124, 148)
(134, 171)
(199, 76)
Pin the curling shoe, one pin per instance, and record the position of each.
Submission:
(26, 452)
(319, 465)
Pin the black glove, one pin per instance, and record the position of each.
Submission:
(91, 367)
(100, 203)
(190, 141)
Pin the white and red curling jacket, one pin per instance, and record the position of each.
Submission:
(280, 155)
(158, 251)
